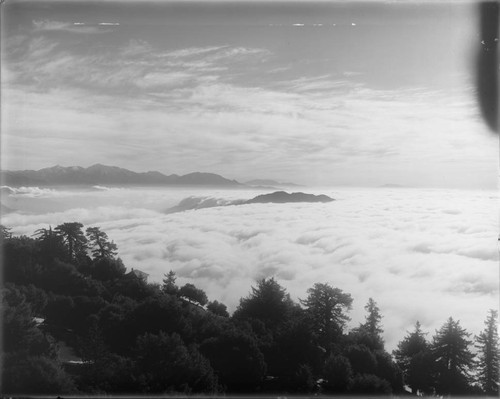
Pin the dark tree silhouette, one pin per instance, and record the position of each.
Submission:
(165, 365)
(101, 247)
(51, 244)
(337, 373)
(453, 358)
(413, 356)
(218, 308)
(488, 353)
(303, 379)
(326, 306)
(105, 269)
(169, 287)
(372, 324)
(268, 302)
(29, 365)
(136, 337)
(369, 333)
(73, 236)
(193, 294)
(237, 360)
(20, 260)
(43, 234)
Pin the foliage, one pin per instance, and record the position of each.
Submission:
(135, 337)
(488, 352)
(20, 334)
(169, 287)
(166, 365)
(453, 358)
(51, 245)
(362, 359)
(105, 269)
(20, 260)
(34, 375)
(217, 308)
(74, 238)
(326, 306)
(193, 294)
(337, 374)
(237, 360)
(268, 302)
(370, 332)
(303, 379)
(413, 356)
(98, 241)
(363, 384)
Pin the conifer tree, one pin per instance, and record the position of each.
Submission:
(268, 302)
(453, 358)
(372, 326)
(326, 306)
(73, 236)
(413, 357)
(169, 286)
(102, 248)
(488, 352)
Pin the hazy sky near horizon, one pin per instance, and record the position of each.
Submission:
(315, 93)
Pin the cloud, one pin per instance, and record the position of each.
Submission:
(134, 103)
(75, 27)
(193, 203)
(363, 243)
(54, 62)
(31, 192)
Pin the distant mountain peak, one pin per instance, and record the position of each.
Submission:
(283, 196)
(99, 174)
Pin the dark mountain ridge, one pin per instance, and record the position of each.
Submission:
(99, 174)
(280, 197)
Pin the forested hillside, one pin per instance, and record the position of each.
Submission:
(76, 322)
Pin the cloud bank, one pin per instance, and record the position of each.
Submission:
(421, 254)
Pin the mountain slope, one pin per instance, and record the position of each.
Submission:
(111, 175)
(280, 197)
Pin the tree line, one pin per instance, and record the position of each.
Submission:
(66, 288)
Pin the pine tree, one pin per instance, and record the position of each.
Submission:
(453, 359)
(51, 244)
(102, 247)
(326, 306)
(73, 236)
(413, 357)
(169, 286)
(372, 326)
(488, 352)
(268, 302)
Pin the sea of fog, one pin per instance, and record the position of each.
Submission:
(422, 254)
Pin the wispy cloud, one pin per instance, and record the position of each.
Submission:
(74, 27)
(136, 65)
(197, 106)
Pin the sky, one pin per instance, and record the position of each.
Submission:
(317, 93)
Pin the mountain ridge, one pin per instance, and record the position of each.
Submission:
(279, 197)
(99, 174)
